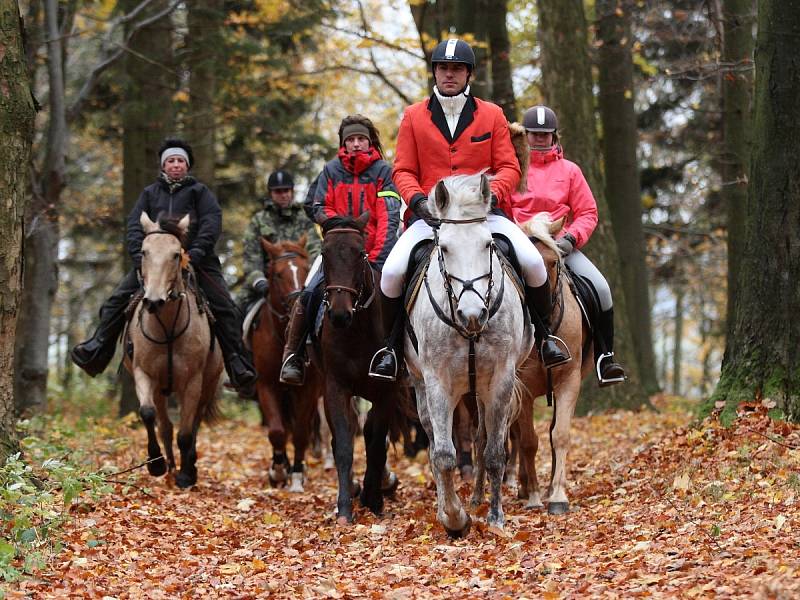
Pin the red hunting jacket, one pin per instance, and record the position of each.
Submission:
(354, 183)
(426, 152)
(557, 186)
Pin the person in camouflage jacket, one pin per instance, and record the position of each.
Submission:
(279, 219)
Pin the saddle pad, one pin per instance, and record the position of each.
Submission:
(586, 295)
(249, 320)
(417, 267)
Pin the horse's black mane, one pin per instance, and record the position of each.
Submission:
(340, 222)
(170, 225)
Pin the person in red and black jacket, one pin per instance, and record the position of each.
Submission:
(356, 181)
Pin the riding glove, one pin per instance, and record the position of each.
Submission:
(566, 244)
(261, 286)
(424, 213)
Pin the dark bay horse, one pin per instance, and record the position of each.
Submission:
(351, 334)
(172, 351)
(283, 406)
(569, 325)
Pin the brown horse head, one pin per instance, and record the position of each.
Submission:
(344, 261)
(286, 271)
(162, 251)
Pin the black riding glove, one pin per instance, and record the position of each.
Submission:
(566, 244)
(261, 286)
(423, 212)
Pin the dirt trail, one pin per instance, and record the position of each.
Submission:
(658, 510)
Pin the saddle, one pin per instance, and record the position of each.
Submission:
(586, 296)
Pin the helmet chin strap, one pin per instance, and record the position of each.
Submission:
(543, 148)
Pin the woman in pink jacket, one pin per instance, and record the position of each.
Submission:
(557, 186)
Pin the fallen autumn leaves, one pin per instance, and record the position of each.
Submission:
(659, 509)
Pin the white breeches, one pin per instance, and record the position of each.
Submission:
(394, 271)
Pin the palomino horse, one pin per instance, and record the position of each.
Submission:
(351, 334)
(471, 336)
(173, 351)
(283, 406)
(569, 325)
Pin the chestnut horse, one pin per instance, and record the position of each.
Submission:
(569, 325)
(283, 406)
(173, 351)
(352, 332)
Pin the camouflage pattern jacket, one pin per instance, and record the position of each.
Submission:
(275, 224)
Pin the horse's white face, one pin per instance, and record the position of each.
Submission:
(161, 263)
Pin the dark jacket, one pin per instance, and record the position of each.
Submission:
(192, 198)
(352, 184)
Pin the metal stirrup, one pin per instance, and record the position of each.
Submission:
(283, 366)
(372, 373)
(599, 375)
(562, 346)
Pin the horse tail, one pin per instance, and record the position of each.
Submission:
(518, 392)
(211, 411)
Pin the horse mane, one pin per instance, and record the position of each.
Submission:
(465, 196)
(293, 246)
(339, 222)
(539, 227)
(170, 225)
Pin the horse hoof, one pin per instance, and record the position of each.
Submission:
(183, 481)
(459, 533)
(343, 521)
(277, 478)
(558, 508)
(296, 486)
(389, 485)
(158, 467)
(328, 464)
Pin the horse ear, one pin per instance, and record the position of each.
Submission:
(147, 224)
(183, 224)
(486, 190)
(302, 241)
(441, 196)
(268, 246)
(556, 226)
(362, 221)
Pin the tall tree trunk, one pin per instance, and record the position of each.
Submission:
(147, 118)
(737, 82)
(568, 88)
(500, 53)
(41, 237)
(16, 135)
(471, 17)
(620, 140)
(677, 342)
(762, 359)
(433, 20)
(204, 41)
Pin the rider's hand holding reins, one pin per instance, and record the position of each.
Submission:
(566, 244)
(423, 212)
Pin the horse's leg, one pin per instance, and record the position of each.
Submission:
(187, 431)
(145, 390)
(165, 428)
(496, 418)
(376, 427)
(450, 512)
(337, 407)
(269, 401)
(529, 444)
(510, 476)
(304, 406)
(462, 432)
(325, 437)
(566, 398)
(479, 486)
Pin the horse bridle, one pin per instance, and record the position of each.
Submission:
(289, 300)
(367, 277)
(467, 285)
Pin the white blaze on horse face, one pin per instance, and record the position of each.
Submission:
(295, 280)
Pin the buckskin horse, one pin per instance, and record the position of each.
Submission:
(351, 334)
(283, 406)
(471, 335)
(565, 383)
(173, 351)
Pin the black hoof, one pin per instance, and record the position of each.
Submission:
(184, 480)
(558, 508)
(459, 533)
(388, 488)
(372, 501)
(158, 467)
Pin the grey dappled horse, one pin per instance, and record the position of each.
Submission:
(468, 303)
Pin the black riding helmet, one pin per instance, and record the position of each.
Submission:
(280, 180)
(453, 51)
(540, 119)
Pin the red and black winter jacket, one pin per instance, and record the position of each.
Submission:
(354, 183)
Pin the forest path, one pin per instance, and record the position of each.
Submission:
(659, 509)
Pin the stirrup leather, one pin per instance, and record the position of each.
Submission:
(600, 376)
(302, 371)
(562, 346)
(375, 357)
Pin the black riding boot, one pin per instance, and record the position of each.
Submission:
(385, 362)
(608, 370)
(94, 354)
(293, 368)
(540, 305)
